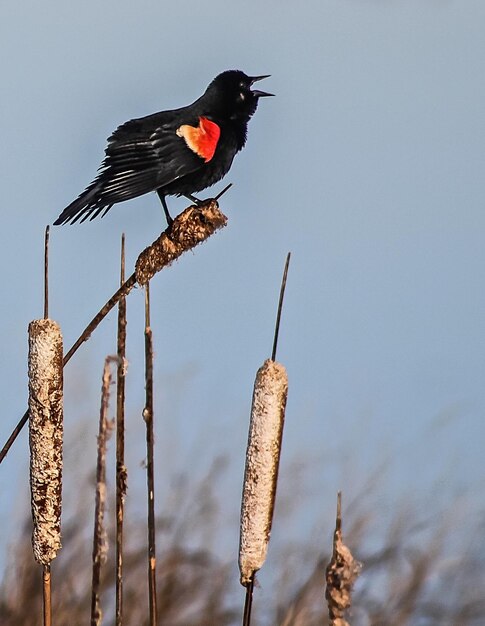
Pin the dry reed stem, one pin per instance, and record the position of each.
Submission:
(46, 272)
(248, 601)
(100, 541)
(148, 417)
(262, 462)
(193, 226)
(46, 594)
(121, 472)
(280, 306)
(341, 573)
(45, 436)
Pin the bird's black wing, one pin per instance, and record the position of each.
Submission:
(142, 155)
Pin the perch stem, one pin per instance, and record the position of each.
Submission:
(120, 442)
(148, 417)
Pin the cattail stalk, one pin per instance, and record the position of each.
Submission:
(47, 595)
(121, 473)
(46, 272)
(148, 417)
(100, 542)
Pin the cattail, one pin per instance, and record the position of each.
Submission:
(191, 227)
(262, 461)
(341, 574)
(46, 431)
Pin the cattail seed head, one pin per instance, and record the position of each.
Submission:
(191, 227)
(45, 436)
(262, 461)
(341, 574)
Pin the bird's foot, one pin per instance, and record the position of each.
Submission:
(199, 203)
(195, 200)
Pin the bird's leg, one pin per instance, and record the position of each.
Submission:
(165, 207)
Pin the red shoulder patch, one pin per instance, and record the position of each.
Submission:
(201, 139)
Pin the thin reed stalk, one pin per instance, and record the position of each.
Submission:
(248, 602)
(47, 595)
(190, 228)
(46, 273)
(121, 472)
(100, 542)
(280, 307)
(148, 417)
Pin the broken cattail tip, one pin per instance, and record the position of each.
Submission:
(45, 436)
(341, 574)
(191, 227)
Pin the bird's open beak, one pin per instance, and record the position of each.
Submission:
(257, 92)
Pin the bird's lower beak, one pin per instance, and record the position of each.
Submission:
(257, 92)
(261, 94)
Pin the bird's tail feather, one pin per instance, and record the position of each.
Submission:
(86, 206)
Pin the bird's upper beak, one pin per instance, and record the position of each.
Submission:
(257, 92)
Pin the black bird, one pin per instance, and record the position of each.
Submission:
(178, 152)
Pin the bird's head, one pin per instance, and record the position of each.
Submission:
(231, 94)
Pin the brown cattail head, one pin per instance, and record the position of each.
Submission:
(191, 227)
(262, 461)
(46, 430)
(341, 573)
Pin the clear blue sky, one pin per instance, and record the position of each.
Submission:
(368, 165)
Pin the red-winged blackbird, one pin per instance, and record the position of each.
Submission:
(178, 152)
